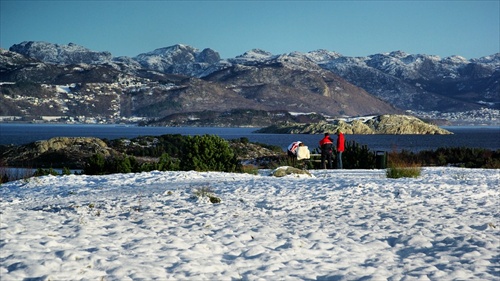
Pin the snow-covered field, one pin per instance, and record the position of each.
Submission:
(336, 225)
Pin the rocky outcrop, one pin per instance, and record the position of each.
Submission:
(78, 144)
(56, 152)
(404, 124)
(251, 154)
(383, 124)
(250, 151)
(287, 170)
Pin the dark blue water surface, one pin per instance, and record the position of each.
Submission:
(467, 136)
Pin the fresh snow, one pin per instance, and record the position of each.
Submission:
(64, 88)
(335, 225)
(300, 113)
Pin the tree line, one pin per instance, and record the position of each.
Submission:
(213, 153)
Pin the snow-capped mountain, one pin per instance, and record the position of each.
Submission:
(423, 82)
(181, 78)
(60, 54)
(179, 59)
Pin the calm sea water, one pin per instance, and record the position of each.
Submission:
(468, 136)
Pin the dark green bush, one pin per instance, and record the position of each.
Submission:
(200, 153)
(45, 172)
(99, 165)
(166, 163)
(208, 153)
(122, 165)
(356, 156)
(95, 165)
(455, 156)
(66, 171)
(460, 156)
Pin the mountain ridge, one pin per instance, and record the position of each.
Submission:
(180, 78)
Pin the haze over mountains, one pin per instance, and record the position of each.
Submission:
(40, 78)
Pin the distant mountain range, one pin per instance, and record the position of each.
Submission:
(45, 79)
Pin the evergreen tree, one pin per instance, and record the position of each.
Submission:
(208, 153)
(167, 164)
(358, 156)
(123, 165)
(66, 171)
(95, 165)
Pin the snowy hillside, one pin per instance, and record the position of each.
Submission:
(335, 225)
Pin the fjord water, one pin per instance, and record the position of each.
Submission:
(466, 136)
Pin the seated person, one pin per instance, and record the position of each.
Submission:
(292, 148)
(303, 152)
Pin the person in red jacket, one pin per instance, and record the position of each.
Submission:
(326, 145)
(340, 148)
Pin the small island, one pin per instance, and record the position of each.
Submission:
(391, 124)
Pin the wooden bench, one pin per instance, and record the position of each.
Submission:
(315, 158)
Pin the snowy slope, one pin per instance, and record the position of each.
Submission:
(336, 225)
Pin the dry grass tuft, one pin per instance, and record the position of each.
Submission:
(399, 167)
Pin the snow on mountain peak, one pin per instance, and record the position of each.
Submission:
(256, 54)
(398, 54)
(322, 55)
(252, 56)
(455, 60)
(167, 51)
(56, 53)
(492, 60)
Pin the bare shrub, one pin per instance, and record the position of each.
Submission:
(399, 167)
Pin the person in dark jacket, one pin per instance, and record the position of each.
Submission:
(326, 145)
(340, 148)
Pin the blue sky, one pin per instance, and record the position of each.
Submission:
(352, 28)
